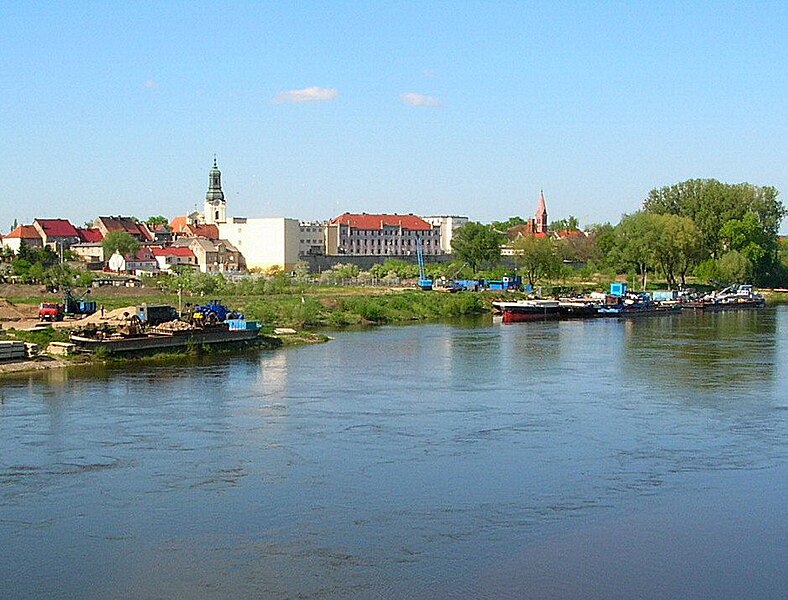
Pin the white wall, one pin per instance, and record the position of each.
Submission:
(449, 225)
(264, 243)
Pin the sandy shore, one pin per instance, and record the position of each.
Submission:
(38, 364)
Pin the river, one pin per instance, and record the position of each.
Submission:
(588, 459)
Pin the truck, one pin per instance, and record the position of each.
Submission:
(50, 311)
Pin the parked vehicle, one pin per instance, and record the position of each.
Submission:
(213, 312)
(50, 311)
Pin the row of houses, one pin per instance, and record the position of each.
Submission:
(214, 242)
(160, 249)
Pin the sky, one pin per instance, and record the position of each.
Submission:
(316, 108)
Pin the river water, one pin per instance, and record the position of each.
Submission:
(589, 459)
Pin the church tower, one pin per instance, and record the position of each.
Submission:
(215, 205)
(541, 215)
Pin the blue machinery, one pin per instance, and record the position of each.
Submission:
(424, 282)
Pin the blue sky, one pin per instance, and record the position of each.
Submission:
(317, 108)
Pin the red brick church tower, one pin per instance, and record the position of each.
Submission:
(541, 215)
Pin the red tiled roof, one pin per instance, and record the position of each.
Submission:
(126, 224)
(569, 233)
(57, 227)
(173, 252)
(90, 235)
(365, 221)
(26, 232)
(207, 231)
(177, 224)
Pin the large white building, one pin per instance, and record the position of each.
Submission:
(381, 235)
(265, 243)
(448, 226)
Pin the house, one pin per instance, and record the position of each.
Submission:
(57, 234)
(178, 224)
(143, 261)
(134, 228)
(90, 247)
(210, 232)
(265, 243)
(90, 235)
(166, 258)
(213, 256)
(381, 234)
(23, 233)
(161, 234)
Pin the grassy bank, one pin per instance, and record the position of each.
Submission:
(307, 307)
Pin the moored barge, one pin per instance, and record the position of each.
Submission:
(160, 340)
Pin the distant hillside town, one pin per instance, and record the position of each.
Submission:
(211, 241)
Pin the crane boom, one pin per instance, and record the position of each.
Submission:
(424, 282)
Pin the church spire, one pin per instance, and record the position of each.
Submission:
(541, 214)
(215, 205)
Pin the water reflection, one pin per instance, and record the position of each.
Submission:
(723, 353)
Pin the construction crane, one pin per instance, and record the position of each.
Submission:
(424, 282)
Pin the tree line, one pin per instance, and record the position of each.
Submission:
(719, 233)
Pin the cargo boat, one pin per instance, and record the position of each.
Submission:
(118, 344)
(578, 309)
(734, 297)
(527, 310)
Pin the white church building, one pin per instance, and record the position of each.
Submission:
(265, 243)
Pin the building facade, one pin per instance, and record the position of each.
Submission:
(381, 235)
(265, 243)
(448, 226)
(312, 238)
(23, 233)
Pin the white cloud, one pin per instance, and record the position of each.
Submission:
(413, 99)
(310, 94)
(150, 84)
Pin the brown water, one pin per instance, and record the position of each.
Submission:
(598, 459)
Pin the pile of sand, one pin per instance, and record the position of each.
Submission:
(111, 316)
(11, 312)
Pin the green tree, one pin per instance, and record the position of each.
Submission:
(712, 204)
(636, 238)
(536, 257)
(733, 267)
(158, 221)
(504, 226)
(476, 244)
(676, 247)
(571, 223)
(746, 237)
(120, 241)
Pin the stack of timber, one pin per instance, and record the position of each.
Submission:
(12, 350)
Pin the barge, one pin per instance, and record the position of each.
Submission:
(735, 297)
(527, 310)
(165, 340)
